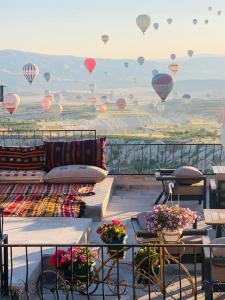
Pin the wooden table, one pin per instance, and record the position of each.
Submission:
(215, 217)
(219, 171)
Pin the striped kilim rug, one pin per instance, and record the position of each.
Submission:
(43, 200)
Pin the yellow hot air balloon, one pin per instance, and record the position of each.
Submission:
(143, 22)
(174, 68)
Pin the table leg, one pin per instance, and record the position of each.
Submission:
(219, 231)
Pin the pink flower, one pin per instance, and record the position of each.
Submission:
(115, 222)
(83, 258)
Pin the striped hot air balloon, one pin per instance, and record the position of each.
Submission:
(30, 71)
(141, 60)
(143, 22)
(163, 85)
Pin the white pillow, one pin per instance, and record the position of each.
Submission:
(187, 172)
(75, 174)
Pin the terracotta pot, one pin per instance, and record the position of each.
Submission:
(171, 236)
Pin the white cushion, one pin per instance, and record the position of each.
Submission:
(187, 172)
(75, 174)
(22, 176)
(218, 251)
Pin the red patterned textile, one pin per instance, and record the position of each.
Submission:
(22, 158)
(43, 200)
(87, 152)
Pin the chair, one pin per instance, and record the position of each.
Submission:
(216, 193)
(214, 268)
(179, 192)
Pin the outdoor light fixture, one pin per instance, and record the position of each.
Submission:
(1, 93)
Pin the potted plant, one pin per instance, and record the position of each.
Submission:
(76, 263)
(113, 233)
(169, 221)
(146, 262)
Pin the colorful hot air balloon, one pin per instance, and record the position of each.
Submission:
(156, 26)
(102, 108)
(47, 76)
(90, 64)
(121, 103)
(163, 85)
(169, 21)
(154, 72)
(195, 21)
(143, 22)
(105, 38)
(141, 60)
(45, 104)
(93, 100)
(92, 87)
(30, 71)
(126, 64)
(173, 56)
(11, 102)
(187, 98)
(104, 99)
(174, 68)
(190, 53)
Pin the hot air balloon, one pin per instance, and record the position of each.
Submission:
(219, 12)
(56, 108)
(143, 22)
(30, 71)
(47, 76)
(187, 98)
(92, 87)
(174, 68)
(173, 56)
(104, 99)
(45, 104)
(90, 64)
(121, 103)
(163, 85)
(102, 108)
(190, 53)
(141, 60)
(206, 22)
(131, 97)
(210, 8)
(195, 21)
(156, 26)
(126, 64)
(11, 102)
(169, 21)
(93, 100)
(105, 38)
(154, 72)
(93, 108)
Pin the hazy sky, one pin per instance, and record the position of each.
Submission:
(75, 27)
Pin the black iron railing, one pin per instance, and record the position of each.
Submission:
(129, 159)
(128, 273)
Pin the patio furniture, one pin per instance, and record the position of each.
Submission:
(217, 188)
(214, 268)
(215, 217)
(189, 236)
(173, 189)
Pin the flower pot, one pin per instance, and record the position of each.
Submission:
(117, 252)
(80, 273)
(171, 236)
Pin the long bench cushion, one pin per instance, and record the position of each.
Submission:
(22, 176)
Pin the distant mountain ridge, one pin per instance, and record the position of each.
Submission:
(68, 73)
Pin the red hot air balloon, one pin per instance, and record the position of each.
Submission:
(121, 103)
(163, 85)
(90, 64)
(46, 103)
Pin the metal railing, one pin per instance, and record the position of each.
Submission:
(130, 272)
(130, 159)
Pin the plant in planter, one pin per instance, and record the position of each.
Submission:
(169, 221)
(146, 262)
(77, 263)
(113, 233)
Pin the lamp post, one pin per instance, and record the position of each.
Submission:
(1, 93)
